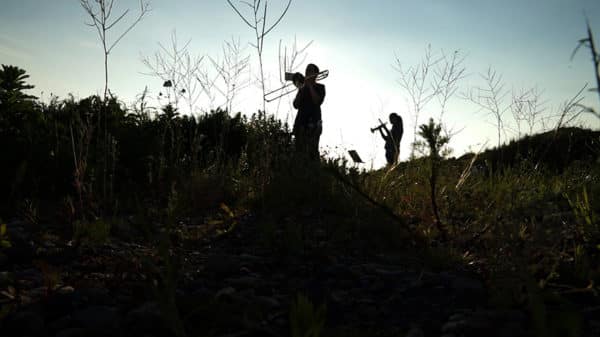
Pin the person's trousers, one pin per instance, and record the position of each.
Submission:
(307, 140)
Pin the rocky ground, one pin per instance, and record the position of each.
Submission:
(232, 287)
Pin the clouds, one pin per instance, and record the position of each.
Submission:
(89, 44)
(11, 48)
(13, 53)
(8, 39)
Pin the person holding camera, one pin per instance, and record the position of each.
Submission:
(308, 125)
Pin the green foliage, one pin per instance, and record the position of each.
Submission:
(554, 150)
(434, 140)
(164, 286)
(165, 268)
(527, 222)
(104, 157)
(305, 319)
(4, 239)
(95, 232)
(550, 314)
(4, 244)
(432, 133)
(12, 85)
(588, 225)
(514, 222)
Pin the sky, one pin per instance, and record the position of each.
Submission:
(528, 42)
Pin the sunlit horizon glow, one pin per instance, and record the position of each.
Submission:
(528, 42)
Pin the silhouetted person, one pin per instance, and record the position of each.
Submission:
(308, 124)
(392, 138)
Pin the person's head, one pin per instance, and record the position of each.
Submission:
(395, 118)
(312, 70)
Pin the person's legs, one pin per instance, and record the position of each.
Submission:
(307, 141)
(301, 141)
(313, 146)
(396, 155)
(389, 156)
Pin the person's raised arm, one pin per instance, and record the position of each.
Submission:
(297, 100)
(383, 135)
(317, 94)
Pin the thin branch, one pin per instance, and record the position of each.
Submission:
(240, 14)
(280, 18)
(144, 9)
(117, 20)
(110, 8)
(247, 4)
(264, 22)
(568, 106)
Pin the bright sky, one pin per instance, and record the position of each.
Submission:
(528, 42)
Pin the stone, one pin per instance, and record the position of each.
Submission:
(146, 319)
(468, 286)
(370, 312)
(223, 266)
(24, 323)
(467, 291)
(415, 332)
(31, 275)
(65, 290)
(16, 232)
(228, 291)
(454, 326)
(124, 230)
(470, 324)
(251, 258)
(389, 273)
(38, 292)
(268, 302)
(72, 332)
(6, 279)
(510, 329)
(244, 282)
(60, 304)
(338, 296)
(97, 318)
(62, 323)
(96, 296)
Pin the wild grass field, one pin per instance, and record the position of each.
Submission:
(128, 221)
